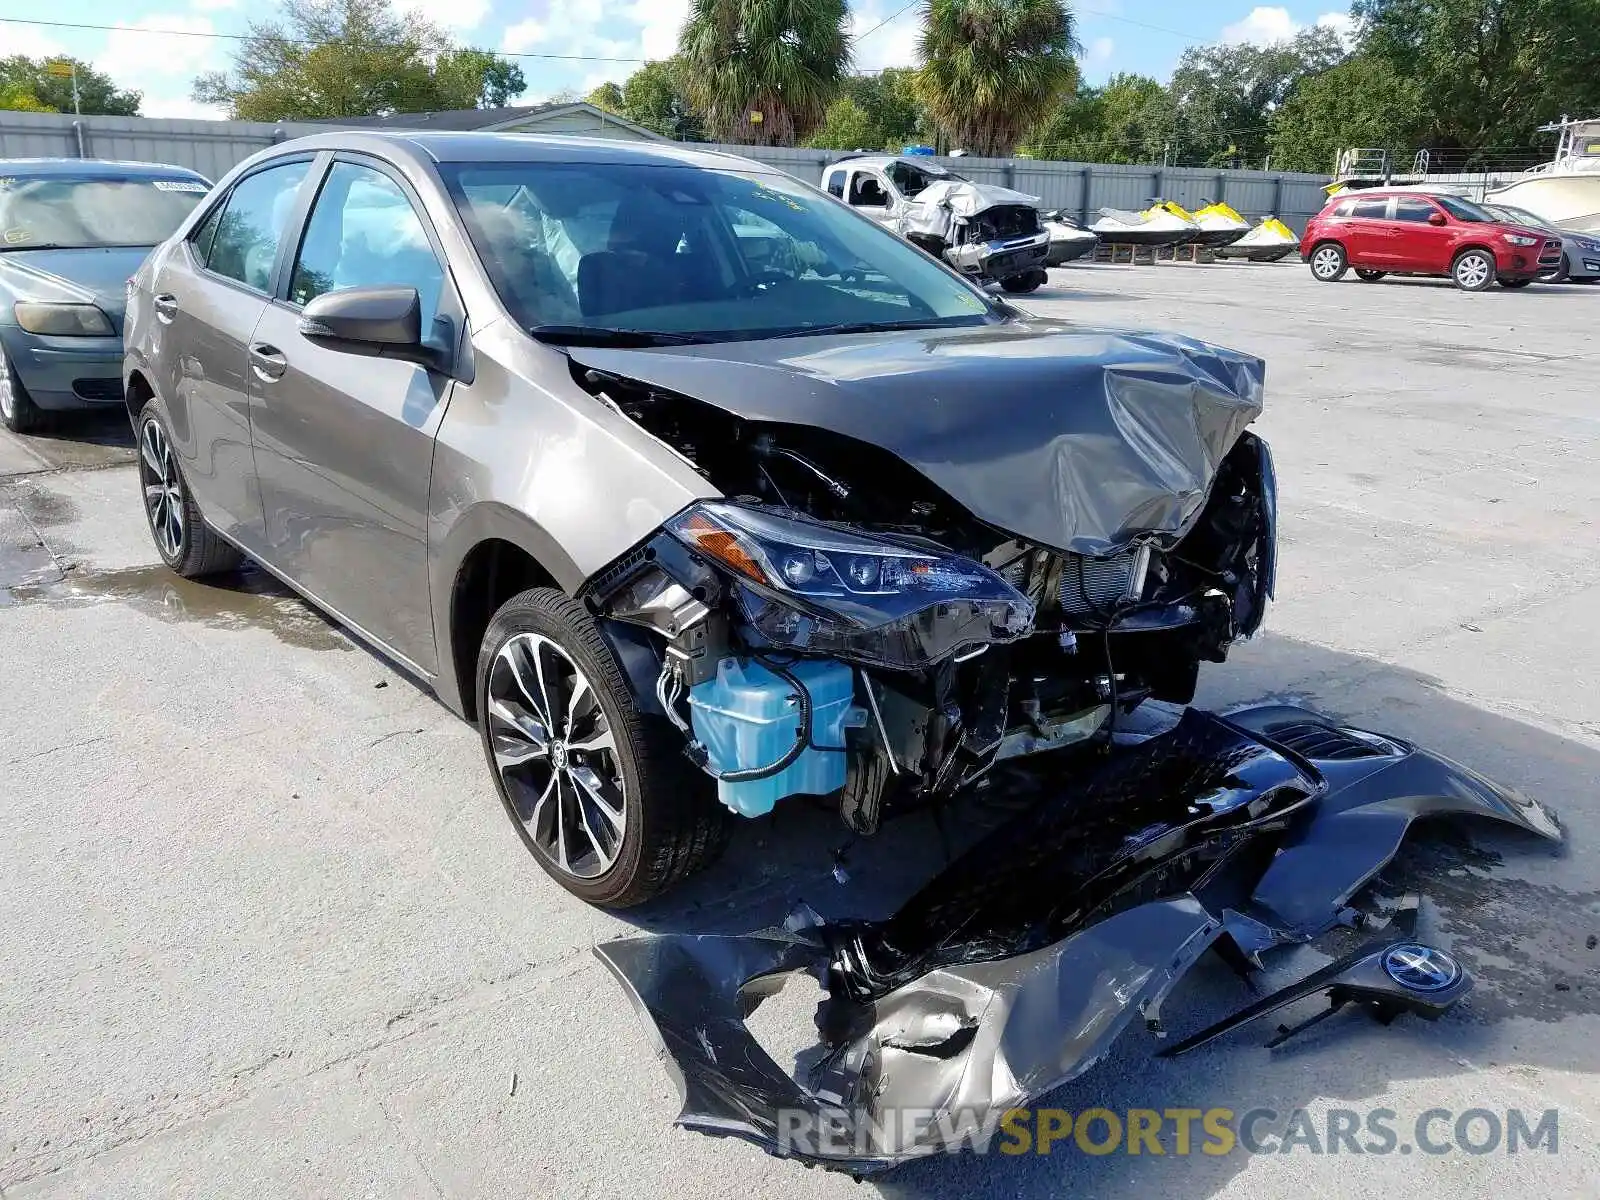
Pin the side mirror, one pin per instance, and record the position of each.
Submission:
(382, 322)
(1437, 218)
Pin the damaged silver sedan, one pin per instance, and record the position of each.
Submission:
(693, 488)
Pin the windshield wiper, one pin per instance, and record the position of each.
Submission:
(599, 335)
(859, 327)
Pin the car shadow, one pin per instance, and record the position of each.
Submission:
(1522, 915)
(78, 440)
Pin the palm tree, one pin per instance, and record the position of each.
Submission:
(782, 59)
(993, 69)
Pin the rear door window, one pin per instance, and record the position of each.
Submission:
(1375, 209)
(253, 223)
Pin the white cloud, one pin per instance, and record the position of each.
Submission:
(893, 44)
(1263, 26)
(180, 106)
(1266, 25)
(133, 58)
(459, 15)
(212, 5)
(35, 43)
(1100, 51)
(524, 35)
(660, 22)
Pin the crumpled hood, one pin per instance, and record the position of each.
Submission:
(1077, 439)
(97, 275)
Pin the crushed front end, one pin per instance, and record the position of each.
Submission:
(843, 623)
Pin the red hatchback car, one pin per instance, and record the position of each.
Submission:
(1410, 233)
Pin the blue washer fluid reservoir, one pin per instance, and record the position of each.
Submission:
(747, 716)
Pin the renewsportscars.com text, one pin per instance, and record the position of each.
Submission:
(1185, 1131)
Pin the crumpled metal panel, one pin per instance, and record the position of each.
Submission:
(1071, 438)
(935, 208)
(958, 1006)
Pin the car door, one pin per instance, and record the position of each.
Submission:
(1421, 244)
(344, 442)
(208, 294)
(870, 192)
(1366, 232)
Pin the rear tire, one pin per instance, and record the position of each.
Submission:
(1328, 262)
(183, 539)
(1473, 270)
(1367, 276)
(600, 794)
(18, 412)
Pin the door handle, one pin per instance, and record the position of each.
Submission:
(267, 361)
(166, 306)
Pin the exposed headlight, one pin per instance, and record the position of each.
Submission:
(1517, 239)
(808, 586)
(63, 320)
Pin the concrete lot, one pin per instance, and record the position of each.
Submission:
(267, 931)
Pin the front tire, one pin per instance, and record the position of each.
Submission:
(1021, 285)
(183, 539)
(1367, 276)
(1473, 271)
(600, 793)
(1328, 263)
(18, 412)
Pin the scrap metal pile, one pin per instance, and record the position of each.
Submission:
(1013, 969)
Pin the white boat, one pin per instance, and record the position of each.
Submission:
(1068, 240)
(1566, 190)
(1267, 242)
(1154, 227)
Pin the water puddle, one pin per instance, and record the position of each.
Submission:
(244, 599)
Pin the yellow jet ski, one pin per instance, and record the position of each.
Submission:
(1267, 242)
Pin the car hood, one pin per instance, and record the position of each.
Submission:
(96, 275)
(1077, 439)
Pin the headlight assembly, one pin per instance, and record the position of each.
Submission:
(1517, 239)
(63, 320)
(808, 586)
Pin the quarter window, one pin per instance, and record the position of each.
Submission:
(1413, 210)
(252, 225)
(836, 183)
(363, 232)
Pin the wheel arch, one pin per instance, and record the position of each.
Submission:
(1470, 246)
(136, 393)
(492, 553)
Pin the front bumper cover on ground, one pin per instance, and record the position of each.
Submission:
(1015, 968)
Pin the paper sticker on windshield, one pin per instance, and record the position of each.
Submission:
(16, 236)
(762, 193)
(180, 185)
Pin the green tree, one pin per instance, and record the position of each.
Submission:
(1489, 71)
(783, 59)
(1224, 96)
(1074, 129)
(353, 58)
(22, 77)
(607, 96)
(992, 69)
(14, 98)
(847, 126)
(1361, 102)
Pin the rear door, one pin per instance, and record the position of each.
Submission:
(1366, 232)
(1419, 244)
(209, 292)
(344, 443)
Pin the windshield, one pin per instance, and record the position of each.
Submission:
(676, 250)
(78, 212)
(1520, 216)
(1462, 210)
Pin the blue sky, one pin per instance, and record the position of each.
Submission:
(601, 37)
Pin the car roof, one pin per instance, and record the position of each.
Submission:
(99, 167)
(443, 147)
(883, 160)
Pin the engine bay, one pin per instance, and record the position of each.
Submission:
(843, 625)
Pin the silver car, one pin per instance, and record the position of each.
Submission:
(694, 489)
(1580, 252)
(71, 233)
